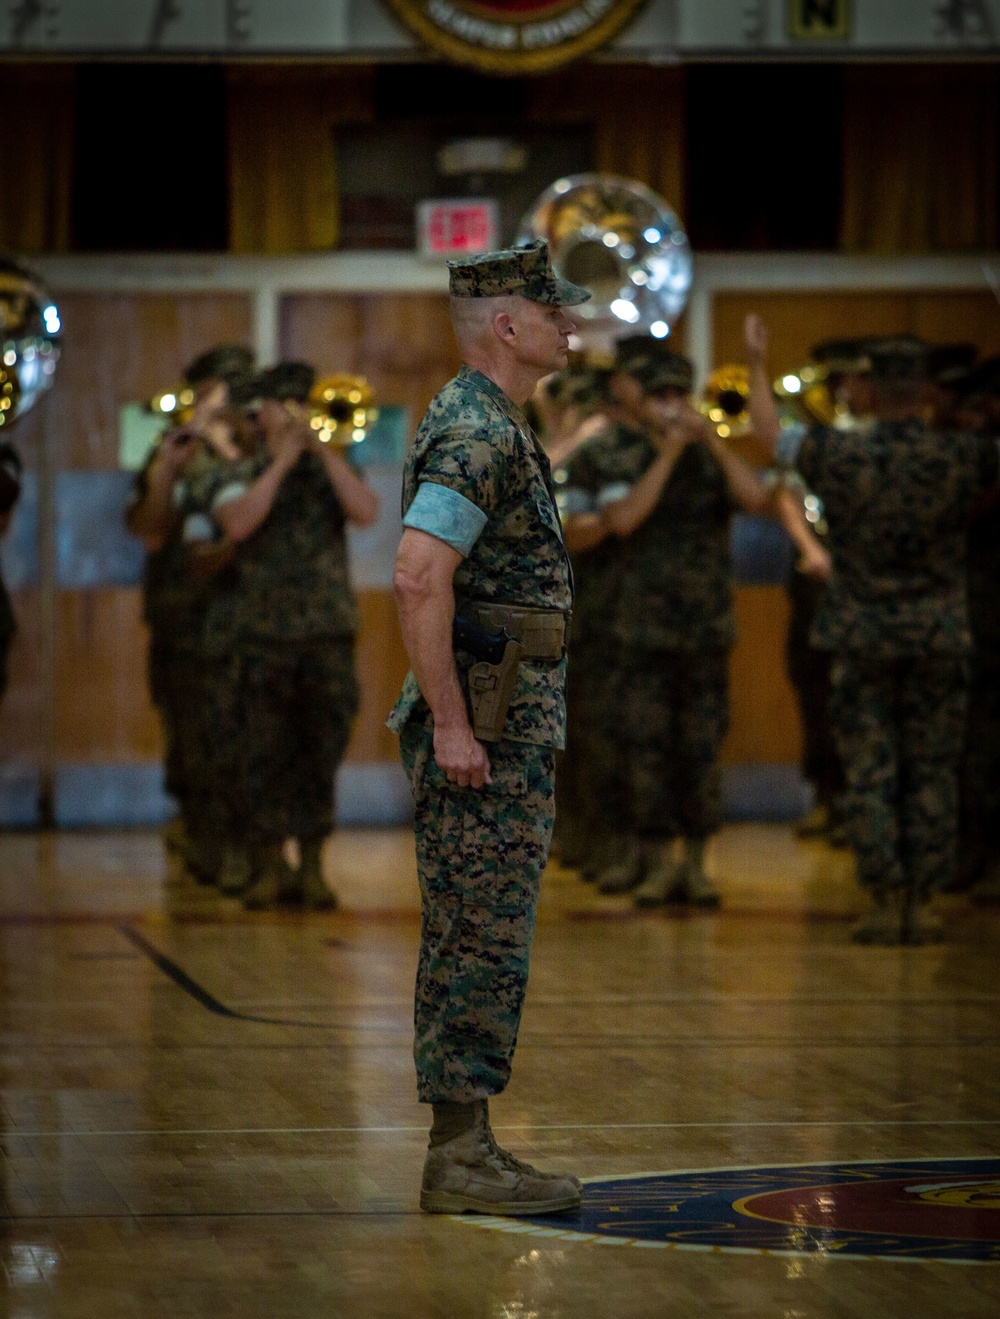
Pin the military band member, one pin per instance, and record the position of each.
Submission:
(482, 543)
(664, 499)
(283, 617)
(175, 600)
(898, 496)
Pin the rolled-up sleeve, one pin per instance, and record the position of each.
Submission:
(443, 512)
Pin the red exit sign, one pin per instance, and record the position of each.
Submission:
(457, 228)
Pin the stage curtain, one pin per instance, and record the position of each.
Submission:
(283, 194)
(36, 111)
(639, 135)
(920, 159)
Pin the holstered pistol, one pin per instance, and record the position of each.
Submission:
(491, 688)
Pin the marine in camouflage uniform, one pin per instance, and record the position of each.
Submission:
(477, 497)
(897, 497)
(174, 605)
(282, 621)
(671, 628)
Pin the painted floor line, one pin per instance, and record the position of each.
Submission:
(581, 1126)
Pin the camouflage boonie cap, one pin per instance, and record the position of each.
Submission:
(898, 357)
(524, 271)
(228, 360)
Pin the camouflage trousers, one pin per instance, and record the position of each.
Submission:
(283, 713)
(899, 724)
(180, 687)
(674, 709)
(480, 857)
(809, 673)
(589, 784)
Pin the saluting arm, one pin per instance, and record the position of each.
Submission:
(764, 419)
(425, 569)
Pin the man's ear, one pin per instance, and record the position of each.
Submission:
(504, 327)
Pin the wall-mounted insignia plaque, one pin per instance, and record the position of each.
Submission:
(515, 36)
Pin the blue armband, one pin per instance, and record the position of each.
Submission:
(444, 513)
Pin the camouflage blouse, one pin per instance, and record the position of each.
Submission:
(897, 497)
(287, 582)
(475, 440)
(673, 577)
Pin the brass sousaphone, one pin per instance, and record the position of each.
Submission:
(619, 239)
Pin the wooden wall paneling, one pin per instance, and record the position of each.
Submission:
(401, 342)
(798, 320)
(103, 710)
(120, 347)
(764, 719)
(381, 664)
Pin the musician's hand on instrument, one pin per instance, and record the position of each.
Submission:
(463, 759)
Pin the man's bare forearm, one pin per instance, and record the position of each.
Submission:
(425, 597)
(625, 515)
(358, 500)
(745, 484)
(154, 516)
(241, 517)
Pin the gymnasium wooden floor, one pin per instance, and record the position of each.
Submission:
(207, 1113)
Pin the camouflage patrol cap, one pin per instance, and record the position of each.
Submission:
(669, 371)
(898, 357)
(228, 360)
(287, 380)
(842, 356)
(524, 271)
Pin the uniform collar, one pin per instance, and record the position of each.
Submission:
(487, 386)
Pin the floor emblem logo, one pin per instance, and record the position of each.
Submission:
(910, 1209)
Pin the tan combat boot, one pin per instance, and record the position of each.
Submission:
(316, 895)
(696, 887)
(275, 881)
(625, 871)
(470, 1173)
(663, 882)
(882, 923)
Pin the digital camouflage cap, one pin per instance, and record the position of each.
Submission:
(524, 271)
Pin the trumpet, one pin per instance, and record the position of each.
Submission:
(342, 409)
(175, 406)
(804, 395)
(726, 401)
